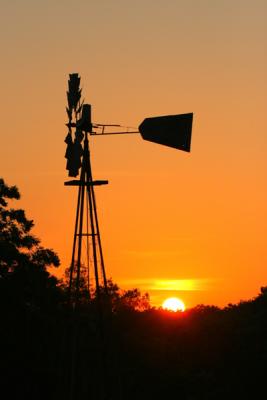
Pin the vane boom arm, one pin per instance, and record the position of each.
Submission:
(112, 133)
(102, 128)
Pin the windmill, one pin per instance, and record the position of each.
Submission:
(171, 130)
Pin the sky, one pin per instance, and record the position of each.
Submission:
(172, 223)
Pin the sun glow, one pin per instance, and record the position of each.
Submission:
(173, 304)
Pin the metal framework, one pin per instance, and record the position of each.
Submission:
(86, 236)
(78, 163)
(78, 156)
(86, 203)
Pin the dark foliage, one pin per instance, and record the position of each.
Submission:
(24, 279)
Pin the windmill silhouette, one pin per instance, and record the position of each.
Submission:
(171, 130)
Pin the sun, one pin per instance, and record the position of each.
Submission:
(173, 304)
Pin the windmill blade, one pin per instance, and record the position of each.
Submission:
(169, 130)
(69, 113)
(74, 92)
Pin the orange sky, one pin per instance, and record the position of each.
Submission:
(172, 223)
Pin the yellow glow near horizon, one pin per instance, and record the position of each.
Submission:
(167, 284)
(173, 304)
(159, 288)
(176, 284)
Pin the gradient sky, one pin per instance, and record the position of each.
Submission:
(192, 225)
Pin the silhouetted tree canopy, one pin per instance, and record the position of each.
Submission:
(127, 300)
(23, 261)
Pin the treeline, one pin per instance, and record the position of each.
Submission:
(132, 352)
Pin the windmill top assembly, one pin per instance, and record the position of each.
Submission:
(171, 130)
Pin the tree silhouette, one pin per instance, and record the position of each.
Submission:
(23, 261)
(125, 300)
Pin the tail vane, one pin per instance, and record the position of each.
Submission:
(169, 130)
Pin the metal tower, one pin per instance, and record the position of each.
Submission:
(78, 158)
(86, 234)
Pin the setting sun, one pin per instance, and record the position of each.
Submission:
(173, 304)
